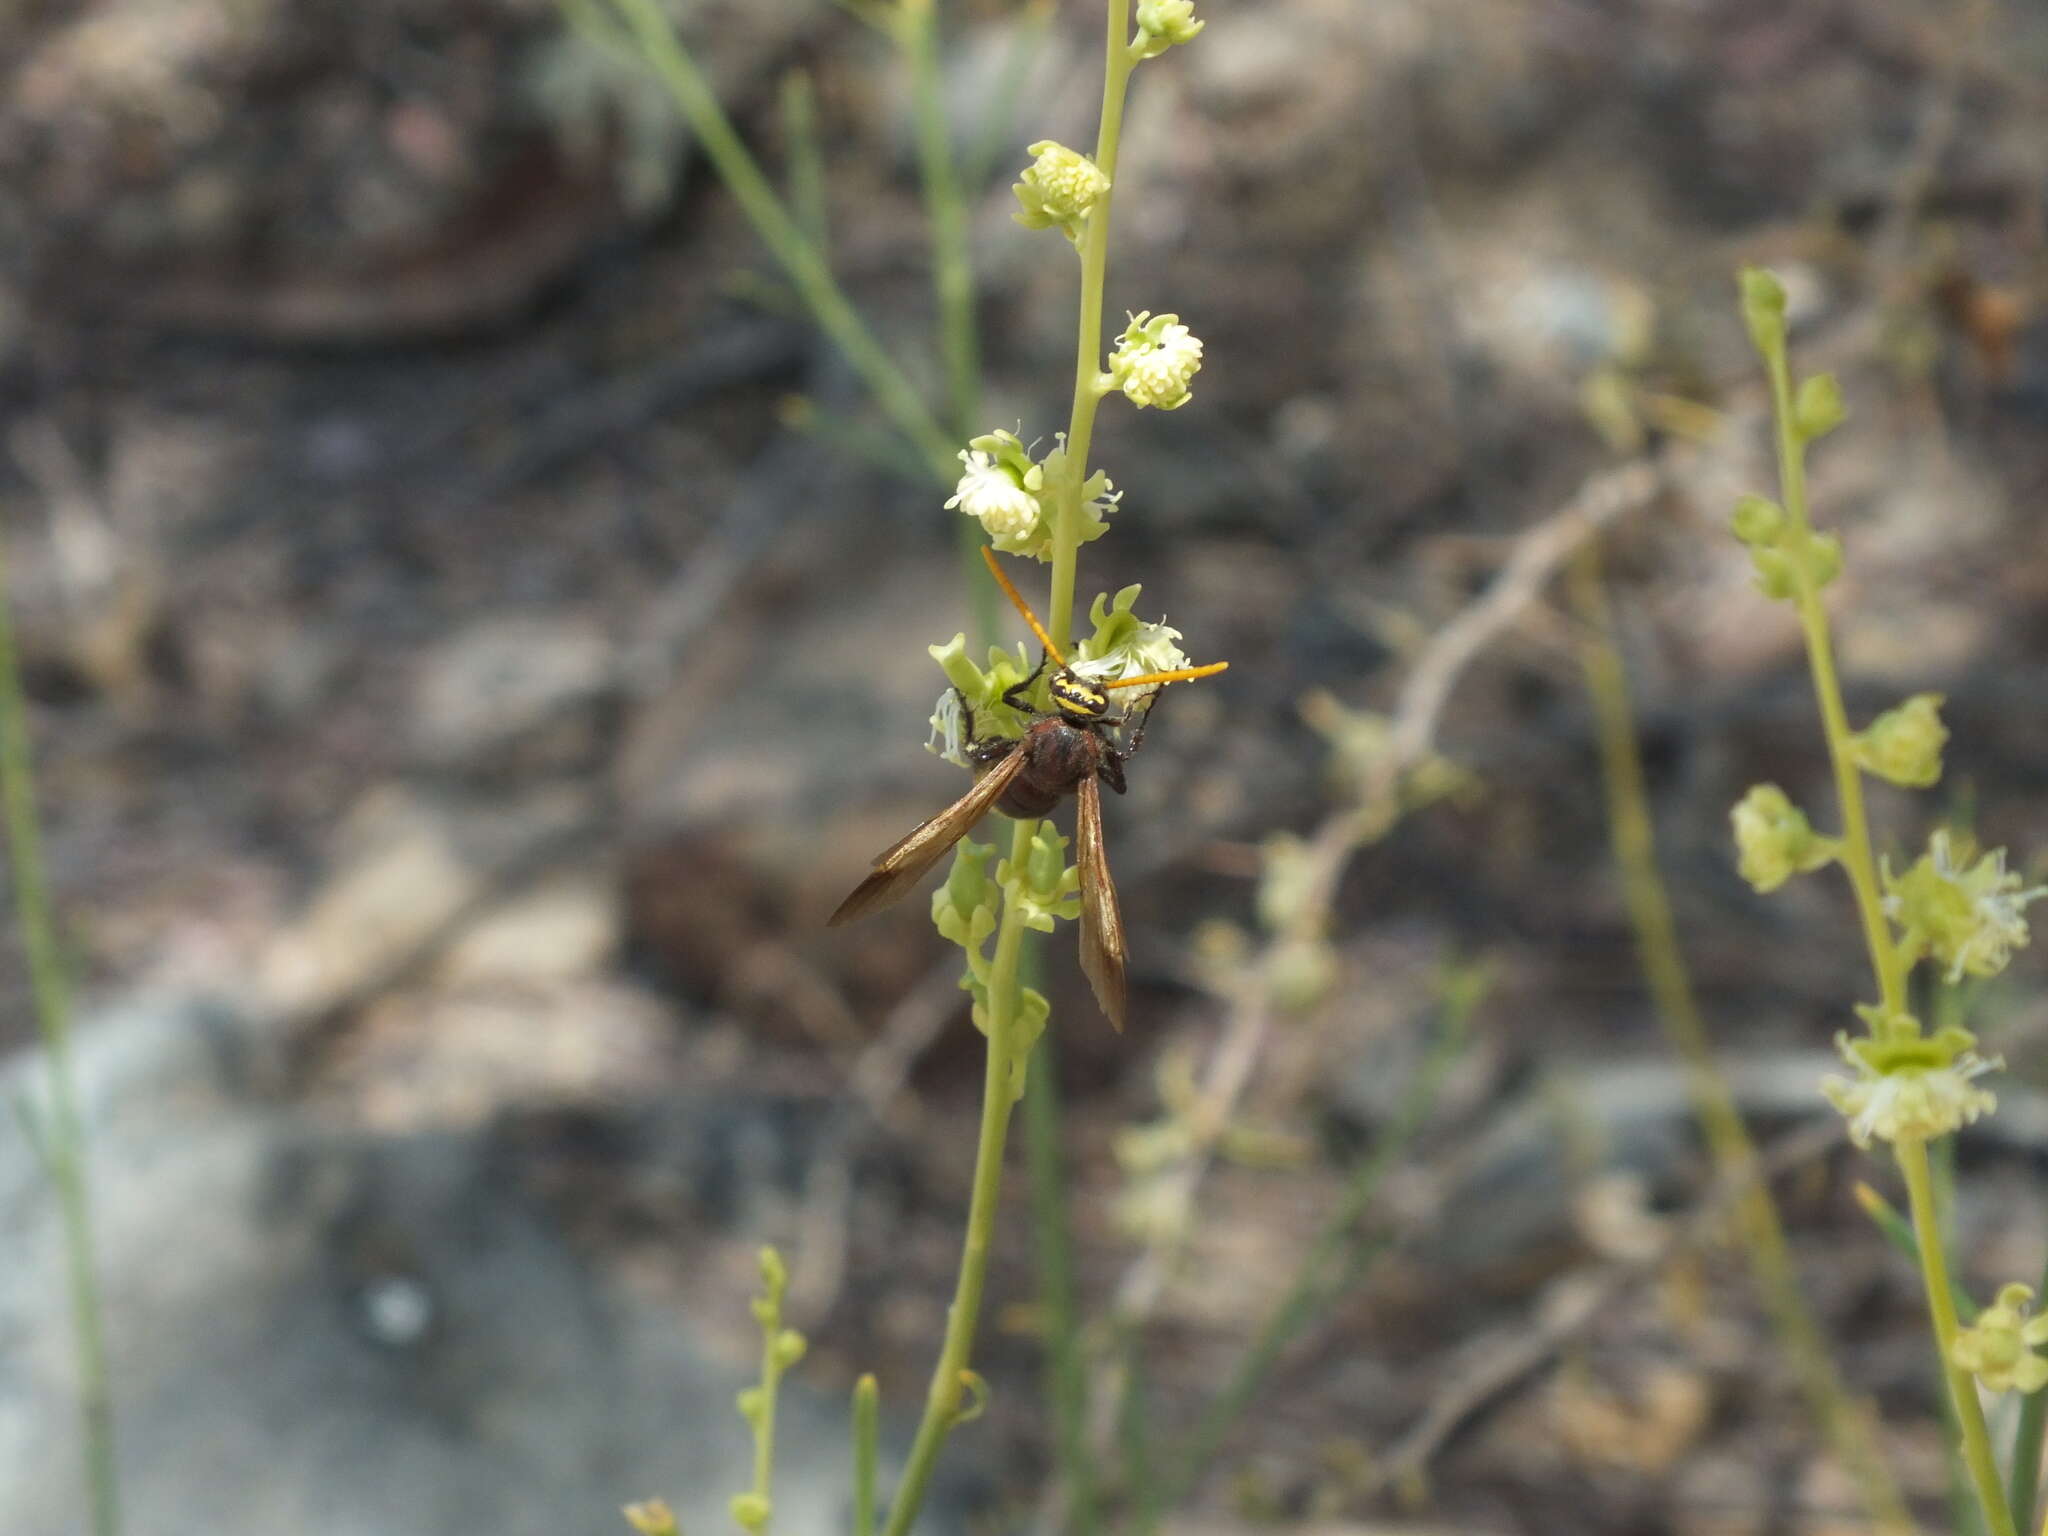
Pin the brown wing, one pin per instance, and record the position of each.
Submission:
(898, 869)
(1102, 925)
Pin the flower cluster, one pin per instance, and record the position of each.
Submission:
(1910, 1086)
(1124, 645)
(1161, 24)
(1004, 489)
(1059, 189)
(1903, 746)
(1998, 1349)
(1784, 553)
(1154, 359)
(1967, 916)
(1775, 840)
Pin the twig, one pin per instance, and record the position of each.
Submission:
(1506, 1357)
(1537, 556)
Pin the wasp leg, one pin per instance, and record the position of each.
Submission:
(1018, 698)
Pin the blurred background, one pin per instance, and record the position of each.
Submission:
(474, 629)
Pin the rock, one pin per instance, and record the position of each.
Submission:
(351, 1334)
(522, 692)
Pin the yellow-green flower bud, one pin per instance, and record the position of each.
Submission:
(1910, 1087)
(751, 1402)
(1903, 745)
(1155, 358)
(1777, 569)
(1058, 189)
(1047, 887)
(1759, 520)
(789, 1348)
(1763, 309)
(1817, 409)
(774, 1273)
(967, 883)
(1775, 840)
(751, 1511)
(1969, 920)
(1162, 23)
(1998, 1349)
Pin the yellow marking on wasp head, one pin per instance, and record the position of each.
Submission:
(1077, 696)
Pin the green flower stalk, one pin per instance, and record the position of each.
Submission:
(781, 1348)
(1044, 508)
(1908, 1087)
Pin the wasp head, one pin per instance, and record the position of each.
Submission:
(1078, 701)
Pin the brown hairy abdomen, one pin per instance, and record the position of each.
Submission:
(1057, 756)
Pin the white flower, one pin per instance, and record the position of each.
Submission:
(991, 493)
(1912, 1089)
(1140, 648)
(1155, 358)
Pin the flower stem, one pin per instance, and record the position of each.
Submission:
(942, 1401)
(1857, 860)
(1843, 1421)
(59, 1131)
(1941, 1305)
(1066, 531)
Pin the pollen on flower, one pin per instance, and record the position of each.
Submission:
(1155, 359)
(1911, 1090)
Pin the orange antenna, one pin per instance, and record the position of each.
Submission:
(1183, 675)
(1023, 607)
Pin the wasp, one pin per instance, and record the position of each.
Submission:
(1071, 749)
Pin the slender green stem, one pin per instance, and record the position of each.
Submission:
(806, 160)
(942, 1401)
(60, 1130)
(952, 262)
(1066, 534)
(1857, 859)
(779, 231)
(1005, 985)
(1067, 1382)
(1844, 1424)
(1941, 1306)
(1885, 958)
(867, 1434)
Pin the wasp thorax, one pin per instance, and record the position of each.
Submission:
(1073, 696)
